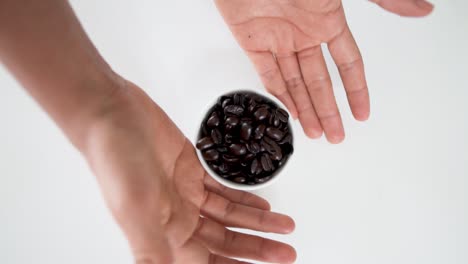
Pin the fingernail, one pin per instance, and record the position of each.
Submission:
(424, 4)
(314, 133)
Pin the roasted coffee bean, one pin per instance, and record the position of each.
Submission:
(223, 168)
(251, 107)
(204, 130)
(236, 99)
(271, 119)
(233, 110)
(286, 140)
(222, 149)
(216, 136)
(246, 131)
(259, 168)
(210, 155)
(275, 151)
(282, 115)
(259, 131)
(267, 165)
(249, 157)
(276, 121)
(247, 120)
(251, 183)
(230, 159)
(240, 179)
(228, 138)
(205, 143)
(261, 113)
(274, 133)
(253, 147)
(244, 163)
(214, 166)
(213, 121)
(226, 102)
(232, 121)
(237, 149)
(235, 172)
(254, 167)
(262, 180)
(282, 161)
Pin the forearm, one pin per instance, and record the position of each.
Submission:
(46, 49)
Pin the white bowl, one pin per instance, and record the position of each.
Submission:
(239, 186)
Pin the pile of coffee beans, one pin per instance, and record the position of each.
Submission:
(245, 138)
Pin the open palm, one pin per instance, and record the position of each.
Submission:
(283, 40)
(167, 206)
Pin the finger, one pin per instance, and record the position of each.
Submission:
(318, 82)
(272, 79)
(347, 57)
(225, 242)
(291, 72)
(236, 196)
(410, 8)
(238, 215)
(216, 259)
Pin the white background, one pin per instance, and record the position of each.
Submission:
(393, 192)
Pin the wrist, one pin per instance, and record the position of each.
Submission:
(98, 100)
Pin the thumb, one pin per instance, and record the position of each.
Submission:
(408, 8)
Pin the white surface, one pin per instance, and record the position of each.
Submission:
(393, 192)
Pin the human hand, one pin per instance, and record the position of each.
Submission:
(168, 207)
(282, 39)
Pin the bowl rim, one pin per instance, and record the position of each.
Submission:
(230, 184)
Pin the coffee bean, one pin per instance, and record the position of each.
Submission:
(276, 121)
(253, 147)
(216, 136)
(267, 165)
(204, 130)
(282, 115)
(249, 157)
(232, 121)
(261, 113)
(230, 159)
(236, 99)
(205, 143)
(226, 102)
(254, 166)
(237, 149)
(233, 110)
(223, 168)
(259, 131)
(228, 138)
(246, 131)
(251, 107)
(222, 149)
(210, 155)
(213, 121)
(262, 180)
(274, 133)
(273, 149)
(235, 172)
(286, 140)
(283, 161)
(251, 183)
(239, 179)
